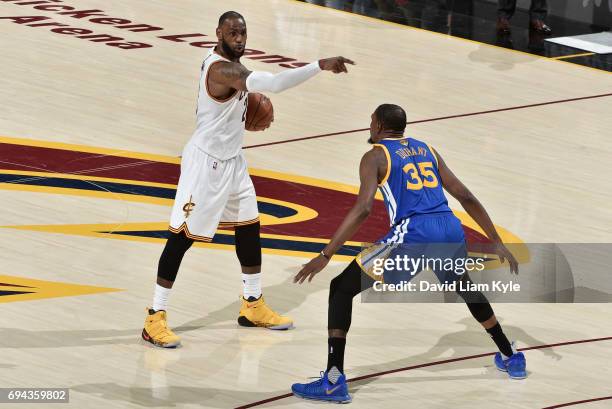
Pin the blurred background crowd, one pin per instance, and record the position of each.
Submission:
(522, 26)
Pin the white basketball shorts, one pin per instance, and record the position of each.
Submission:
(212, 193)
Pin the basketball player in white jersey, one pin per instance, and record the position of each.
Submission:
(215, 188)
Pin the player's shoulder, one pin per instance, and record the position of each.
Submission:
(382, 148)
(377, 155)
(377, 150)
(225, 68)
(225, 74)
(220, 63)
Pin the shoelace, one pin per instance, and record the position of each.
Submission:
(317, 383)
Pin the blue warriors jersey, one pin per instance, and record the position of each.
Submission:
(412, 185)
(422, 224)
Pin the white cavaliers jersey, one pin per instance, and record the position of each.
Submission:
(219, 122)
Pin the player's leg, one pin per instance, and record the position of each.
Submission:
(342, 290)
(332, 385)
(481, 310)
(254, 311)
(446, 234)
(156, 328)
(167, 269)
(200, 198)
(242, 213)
(248, 251)
(507, 359)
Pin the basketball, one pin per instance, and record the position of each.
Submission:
(260, 112)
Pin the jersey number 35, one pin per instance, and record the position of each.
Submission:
(424, 177)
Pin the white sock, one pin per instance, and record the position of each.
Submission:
(251, 285)
(160, 299)
(333, 374)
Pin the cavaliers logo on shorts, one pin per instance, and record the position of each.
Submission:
(188, 207)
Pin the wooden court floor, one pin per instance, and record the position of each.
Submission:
(90, 134)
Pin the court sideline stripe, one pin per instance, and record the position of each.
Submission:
(441, 118)
(578, 402)
(561, 57)
(434, 363)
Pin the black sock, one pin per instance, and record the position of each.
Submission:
(335, 353)
(500, 340)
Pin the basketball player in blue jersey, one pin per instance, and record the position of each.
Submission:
(411, 177)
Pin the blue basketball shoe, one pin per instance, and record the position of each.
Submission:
(323, 389)
(516, 365)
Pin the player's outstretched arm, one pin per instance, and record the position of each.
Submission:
(260, 81)
(475, 209)
(368, 173)
(236, 76)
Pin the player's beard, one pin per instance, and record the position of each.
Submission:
(370, 141)
(229, 51)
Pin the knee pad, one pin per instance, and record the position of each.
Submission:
(349, 281)
(333, 286)
(481, 311)
(248, 244)
(342, 289)
(170, 260)
(477, 302)
(478, 305)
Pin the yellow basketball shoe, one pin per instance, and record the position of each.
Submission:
(256, 313)
(156, 330)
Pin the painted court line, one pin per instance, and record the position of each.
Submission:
(578, 402)
(445, 361)
(561, 57)
(441, 118)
